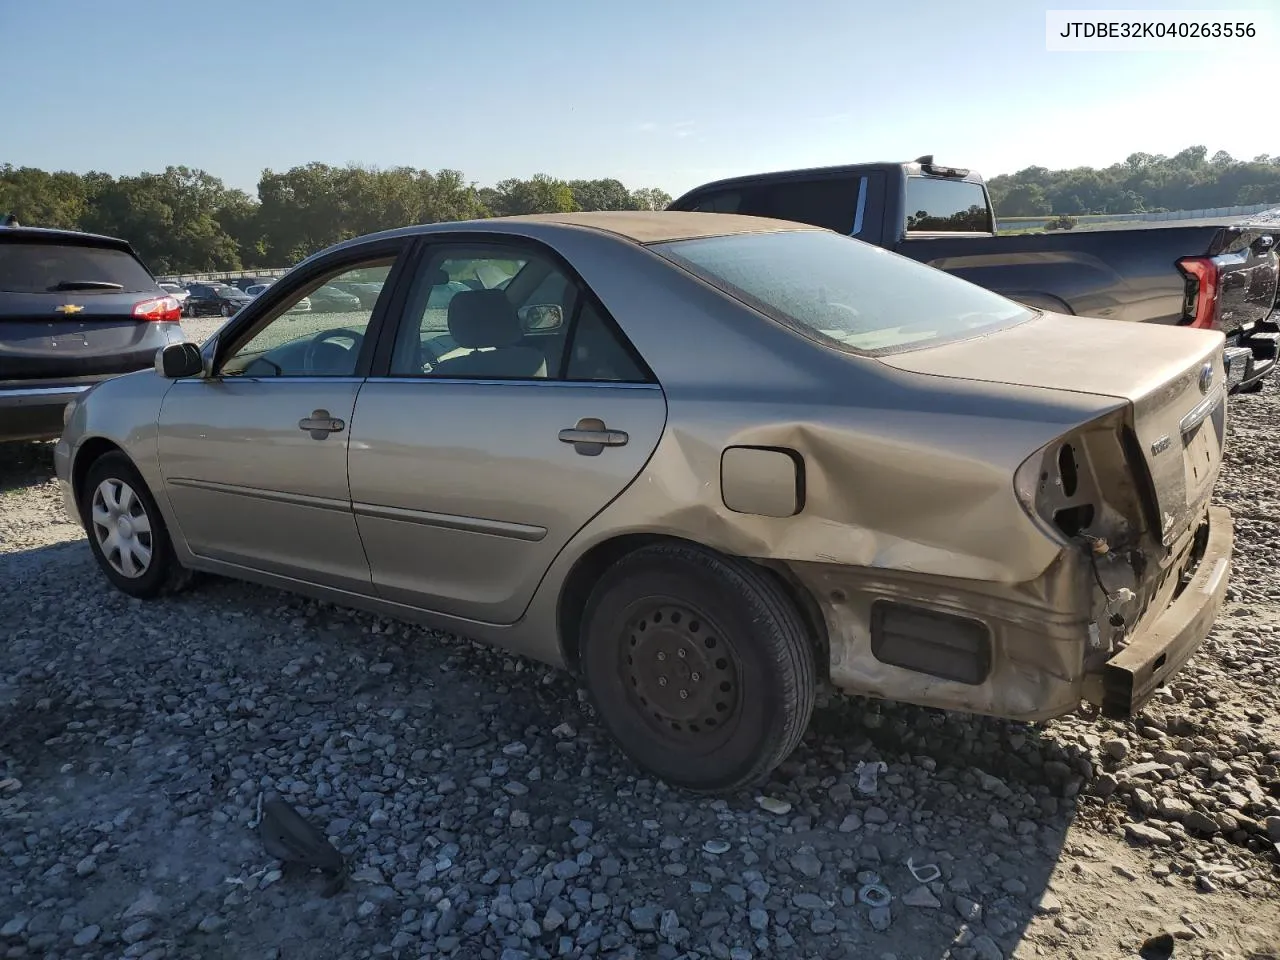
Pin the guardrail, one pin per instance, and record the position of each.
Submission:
(1205, 213)
(222, 276)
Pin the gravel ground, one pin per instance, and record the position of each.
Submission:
(486, 815)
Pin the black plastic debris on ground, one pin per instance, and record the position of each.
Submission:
(289, 837)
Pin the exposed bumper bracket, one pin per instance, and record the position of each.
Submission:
(1131, 677)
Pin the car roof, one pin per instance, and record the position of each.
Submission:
(658, 226)
(638, 226)
(51, 235)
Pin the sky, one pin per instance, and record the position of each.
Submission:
(665, 93)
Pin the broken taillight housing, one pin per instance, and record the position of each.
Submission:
(1090, 483)
(1200, 303)
(1049, 486)
(164, 309)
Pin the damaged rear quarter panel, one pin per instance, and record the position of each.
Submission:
(908, 483)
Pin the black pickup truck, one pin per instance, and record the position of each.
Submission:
(1218, 275)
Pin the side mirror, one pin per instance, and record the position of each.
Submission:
(540, 317)
(179, 360)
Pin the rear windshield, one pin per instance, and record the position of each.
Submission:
(843, 291)
(41, 267)
(936, 205)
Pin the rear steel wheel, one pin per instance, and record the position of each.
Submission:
(682, 675)
(699, 664)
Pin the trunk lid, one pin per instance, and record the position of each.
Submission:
(98, 335)
(1172, 377)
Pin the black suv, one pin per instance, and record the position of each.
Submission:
(75, 308)
(214, 299)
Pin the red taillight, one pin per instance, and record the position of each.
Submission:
(1201, 307)
(158, 308)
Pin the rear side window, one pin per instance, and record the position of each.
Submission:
(56, 268)
(936, 205)
(844, 292)
(722, 201)
(830, 202)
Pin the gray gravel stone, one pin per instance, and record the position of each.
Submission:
(86, 935)
(139, 930)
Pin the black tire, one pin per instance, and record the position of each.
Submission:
(162, 573)
(699, 665)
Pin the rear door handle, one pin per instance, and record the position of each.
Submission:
(590, 436)
(320, 424)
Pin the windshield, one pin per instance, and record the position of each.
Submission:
(50, 267)
(847, 292)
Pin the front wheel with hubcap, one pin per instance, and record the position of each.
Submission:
(699, 664)
(126, 531)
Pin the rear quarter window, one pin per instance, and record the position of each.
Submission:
(41, 267)
(843, 292)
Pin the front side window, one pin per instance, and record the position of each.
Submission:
(297, 342)
(842, 291)
(937, 205)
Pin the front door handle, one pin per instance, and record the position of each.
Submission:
(320, 424)
(590, 436)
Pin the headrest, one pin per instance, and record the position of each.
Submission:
(483, 318)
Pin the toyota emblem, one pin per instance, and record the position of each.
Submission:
(1206, 377)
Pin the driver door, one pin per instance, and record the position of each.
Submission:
(254, 457)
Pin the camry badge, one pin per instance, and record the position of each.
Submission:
(1159, 446)
(68, 308)
(1206, 377)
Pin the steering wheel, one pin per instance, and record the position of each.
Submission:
(330, 336)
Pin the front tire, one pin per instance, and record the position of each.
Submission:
(699, 665)
(127, 532)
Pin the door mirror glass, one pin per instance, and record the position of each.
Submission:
(179, 360)
(541, 317)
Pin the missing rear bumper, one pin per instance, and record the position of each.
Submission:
(1131, 678)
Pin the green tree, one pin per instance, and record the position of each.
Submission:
(1023, 200)
(170, 218)
(601, 195)
(650, 198)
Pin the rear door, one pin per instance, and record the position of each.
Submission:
(478, 450)
(70, 309)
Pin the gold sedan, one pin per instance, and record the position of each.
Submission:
(706, 461)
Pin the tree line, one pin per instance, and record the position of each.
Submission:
(1143, 183)
(186, 220)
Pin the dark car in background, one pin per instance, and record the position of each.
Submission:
(75, 309)
(367, 293)
(214, 299)
(244, 283)
(329, 299)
